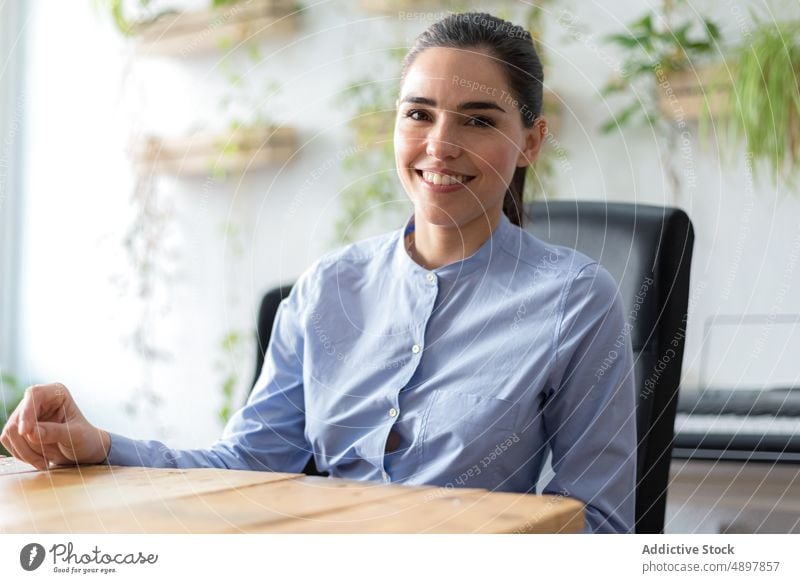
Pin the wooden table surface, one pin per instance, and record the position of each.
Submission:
(103, 499)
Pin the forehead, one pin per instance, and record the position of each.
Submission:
(454, 75)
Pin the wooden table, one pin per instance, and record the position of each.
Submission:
(103, 499)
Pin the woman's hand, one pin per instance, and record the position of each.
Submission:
(47, 427)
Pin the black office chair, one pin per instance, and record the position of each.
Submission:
(636, 244)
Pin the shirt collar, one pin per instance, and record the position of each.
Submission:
(404, 266)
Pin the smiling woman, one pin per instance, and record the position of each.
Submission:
(458, 350)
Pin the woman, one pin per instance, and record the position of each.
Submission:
(456, 351)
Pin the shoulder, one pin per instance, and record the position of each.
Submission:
(590, 301)
(579, 282)
(592, 284)
(534, 257)
(341, 268)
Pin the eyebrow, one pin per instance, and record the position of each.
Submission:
(462, 107)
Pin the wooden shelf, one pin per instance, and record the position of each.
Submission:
(186, 33)
(694, 90)
(211, 153)
(389, 6)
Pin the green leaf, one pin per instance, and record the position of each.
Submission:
(231, 340)
(712, 29)
(254, 51)
(645, 23)
(9, 381)
(224, 43)
(624, 40)
(229, 385)
(681, 34)
(224, 413)
(622, 118)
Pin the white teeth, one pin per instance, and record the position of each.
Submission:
(442, 179)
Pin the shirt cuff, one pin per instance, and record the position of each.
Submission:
(123, 452)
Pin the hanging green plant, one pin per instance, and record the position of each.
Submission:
(11, 393)
(371, 188)
(658, 47)
(654, 49)
(765, 102)
(234, 347)
(120, 13)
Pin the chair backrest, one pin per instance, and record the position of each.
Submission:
(266, 318)
(648, 250)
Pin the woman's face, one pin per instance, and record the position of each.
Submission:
(459, 136)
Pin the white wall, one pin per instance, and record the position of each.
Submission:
(747, 228)
(87, 96)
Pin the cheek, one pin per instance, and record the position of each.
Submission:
(401, 146)
(404, 157)
(497, 163)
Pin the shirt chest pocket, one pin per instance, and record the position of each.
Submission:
(467, 423)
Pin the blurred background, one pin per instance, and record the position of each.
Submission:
(164, 163)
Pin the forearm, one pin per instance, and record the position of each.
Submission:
(155, 454)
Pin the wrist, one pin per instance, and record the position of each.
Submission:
(104, 447)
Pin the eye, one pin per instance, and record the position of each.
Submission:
(414, 113)
(482, 122)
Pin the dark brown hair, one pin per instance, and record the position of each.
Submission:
(513, 47)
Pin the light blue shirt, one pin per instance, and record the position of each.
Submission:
(477, 368)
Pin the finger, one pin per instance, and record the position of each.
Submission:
(37, 449)
(41, 402)
(4, 439)
(47, 433)
(12, 423)
(54, 455)
(52, 440)
(29, 455)
(21, 450)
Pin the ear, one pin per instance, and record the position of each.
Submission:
(533, 138)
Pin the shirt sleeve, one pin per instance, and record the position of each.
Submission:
(268, 433)
(590, 411)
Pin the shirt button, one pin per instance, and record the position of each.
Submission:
(392, 412)
(431, 278)
(415, 349)
(385, 476)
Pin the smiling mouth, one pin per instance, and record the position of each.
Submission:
(437, 179)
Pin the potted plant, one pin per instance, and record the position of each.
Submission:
(664, 50)
(170, 31)
(765, 101)
(664, 62)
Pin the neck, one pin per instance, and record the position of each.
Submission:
(433, 246)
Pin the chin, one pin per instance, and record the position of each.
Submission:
(446, 218)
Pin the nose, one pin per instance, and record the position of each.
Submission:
(442, 142)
